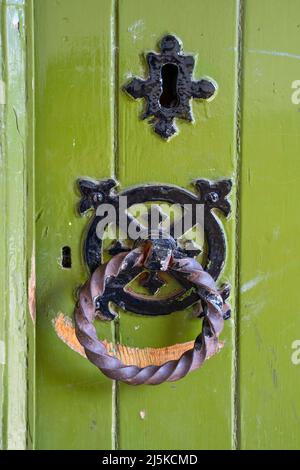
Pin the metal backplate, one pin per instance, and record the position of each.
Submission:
(169, 87)
(212, 195)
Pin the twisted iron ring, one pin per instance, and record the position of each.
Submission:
(215, 309)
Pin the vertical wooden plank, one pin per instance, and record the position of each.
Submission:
(30, 227)
(196, 412)
(270, 242)
(14, 320)
(3, 232)
(74, 138)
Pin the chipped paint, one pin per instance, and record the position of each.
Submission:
(253, 282)
(2, 92)
(16, 22)
(276, 233)
(65, 330)
(142, 357)
(274, 53)
(32, 290)
(2, 353)
(136, 29)
(127, 75)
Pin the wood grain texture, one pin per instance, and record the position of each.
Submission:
(30, 226)
(270, 242)
(177, 413)
(74, 137)
(141, 357)
(78, 122)
(13, 313)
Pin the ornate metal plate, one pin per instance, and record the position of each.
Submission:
(169, 87)
(213, 195)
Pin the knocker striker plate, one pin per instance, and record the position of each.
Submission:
(212, 195)
(169, 88)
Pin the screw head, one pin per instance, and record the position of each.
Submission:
(170, 43)
(212, 197)
(98, 197)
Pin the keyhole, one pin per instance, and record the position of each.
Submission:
(66, 258)
(169, 97)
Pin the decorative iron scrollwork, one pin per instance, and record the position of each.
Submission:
(169, 87)
(150, 255)
(212, 195)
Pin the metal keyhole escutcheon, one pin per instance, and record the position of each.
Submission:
(169, 88)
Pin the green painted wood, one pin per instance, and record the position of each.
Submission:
(74, 137)
(196, 412)
(269, 258)
(14, 321)
(30, 226)
(74, 126)
(3, 234)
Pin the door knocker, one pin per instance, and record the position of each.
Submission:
(153, 252)
(170, 86)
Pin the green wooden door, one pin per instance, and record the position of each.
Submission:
(66, 116)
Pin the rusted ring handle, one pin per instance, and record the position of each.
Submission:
(206, 344)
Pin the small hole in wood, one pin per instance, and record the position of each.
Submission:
(169, 97)
(66, 258)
